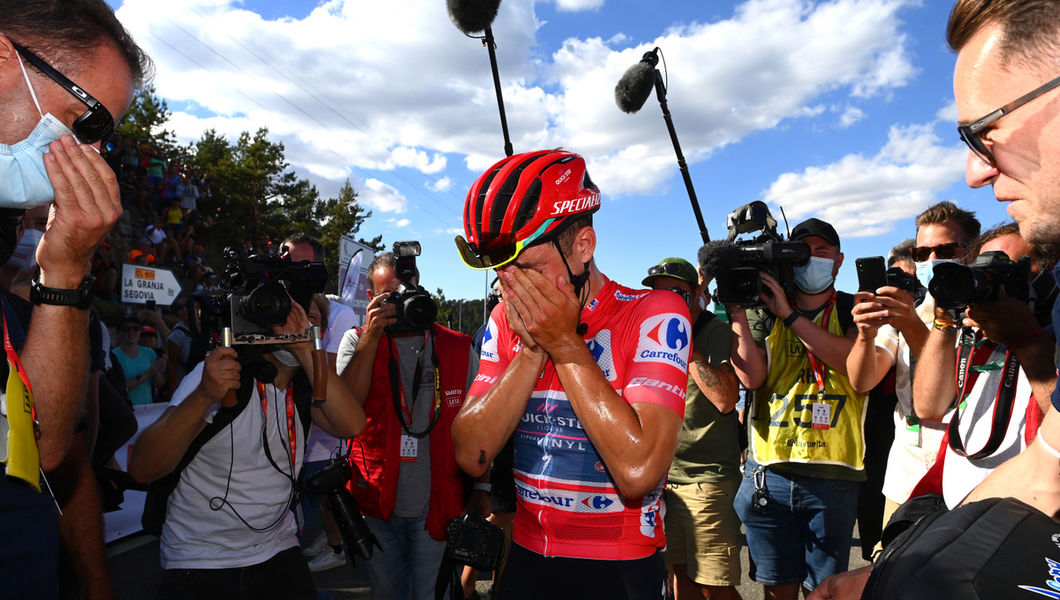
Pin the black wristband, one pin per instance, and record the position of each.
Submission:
(79, 297)
(788, 320)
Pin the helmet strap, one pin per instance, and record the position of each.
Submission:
(579, 283)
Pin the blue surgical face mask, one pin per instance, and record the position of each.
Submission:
(815, 276)
(925, 269)
(23, 181)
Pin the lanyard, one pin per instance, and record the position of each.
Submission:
(1003, 398)
(292, 439)
(816, 364)
(397, 392)
(12, 359)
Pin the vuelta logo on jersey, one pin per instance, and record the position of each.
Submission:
(489, 343)
(664, 339)
(600, 347)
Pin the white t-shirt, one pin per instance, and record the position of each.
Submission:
(233, 463)
(960, 475)
(341, 318)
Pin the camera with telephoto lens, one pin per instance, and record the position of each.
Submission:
(260, 287)
(737, 272)
(474, 541)
(956, 287)
(331, 484)
(416, 309)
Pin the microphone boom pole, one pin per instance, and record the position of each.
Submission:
(660, 92)
(487, 41)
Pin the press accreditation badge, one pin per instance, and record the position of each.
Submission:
(409, 447)
(822, 415)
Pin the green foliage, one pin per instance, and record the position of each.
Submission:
(459, 315)
(144, 121)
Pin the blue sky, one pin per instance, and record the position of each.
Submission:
(842, 110)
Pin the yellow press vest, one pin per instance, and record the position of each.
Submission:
(781, 421)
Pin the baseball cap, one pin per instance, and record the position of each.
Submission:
(678, 268)
(148, 329)
(815, 226)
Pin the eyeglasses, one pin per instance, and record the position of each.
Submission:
(970, 133)
(946, 251)
(96, 123)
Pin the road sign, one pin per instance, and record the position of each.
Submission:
(140, 284)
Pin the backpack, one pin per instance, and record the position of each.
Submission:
(994, 548)
(158, 492)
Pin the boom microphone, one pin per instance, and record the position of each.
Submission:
(717, 255)
(471, 16)
(637, 83)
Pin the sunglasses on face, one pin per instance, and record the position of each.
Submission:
(94, 125)
(130, 329)
(942, 251)
(683, 294)
(971, 133)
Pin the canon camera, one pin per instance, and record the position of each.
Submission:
(416, 310)
(956, 287)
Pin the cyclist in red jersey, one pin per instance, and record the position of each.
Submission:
(588, 375)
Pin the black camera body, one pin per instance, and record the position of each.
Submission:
(259, 288)
(331, 484)
(416, 310)
(956, 287)
(737, 273)
(474, 541)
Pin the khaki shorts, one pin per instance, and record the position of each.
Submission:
(703, 531)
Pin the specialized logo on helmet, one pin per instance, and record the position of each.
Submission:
(664, 339)
(576, 205)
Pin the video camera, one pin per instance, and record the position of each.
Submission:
(416, 310)
(331, 483)
(737, 267)
(956, 287)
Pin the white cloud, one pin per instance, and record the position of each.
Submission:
(443, 184)
(402, 223)
(851, 115)
(350, 99)
(864, 196)
(383, 197)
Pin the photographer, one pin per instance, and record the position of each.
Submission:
(1005, 324)
(804, 425)
(229, 531)
(702, 529)
(411, 378)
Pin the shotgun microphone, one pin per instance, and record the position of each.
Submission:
(637, 83)
(472, 16)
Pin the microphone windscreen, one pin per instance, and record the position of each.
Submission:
(635, 86)
(716, 255)
(472, 16)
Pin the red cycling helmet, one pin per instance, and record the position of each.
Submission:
(523, 200)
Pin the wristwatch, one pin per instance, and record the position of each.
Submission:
(79, 297)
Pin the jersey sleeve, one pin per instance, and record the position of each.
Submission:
(658, 369)
(494, 358)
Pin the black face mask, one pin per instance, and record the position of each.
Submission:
(9, 220)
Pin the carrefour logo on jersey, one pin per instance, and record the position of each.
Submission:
(664, 339)
(600, 347)
(570, 500)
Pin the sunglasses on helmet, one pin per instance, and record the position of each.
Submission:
(497, 257)
(96, 123)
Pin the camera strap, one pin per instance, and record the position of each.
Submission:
(397, 392)
(1003, 398)
(292, 440)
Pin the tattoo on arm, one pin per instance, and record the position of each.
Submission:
(481, 457)
(708, 375)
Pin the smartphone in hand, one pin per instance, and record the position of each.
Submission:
(872, 273)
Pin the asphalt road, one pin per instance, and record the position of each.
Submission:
(135, 572)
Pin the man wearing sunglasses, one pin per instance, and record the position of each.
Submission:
(587, 374)
(65, 67)
(1007, 48)
(702, 529)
